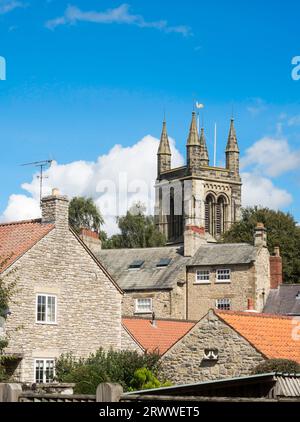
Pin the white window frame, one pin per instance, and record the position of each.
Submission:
(226, 280)
(47, 295)
(139, 311)
(44, 360)
(205, 281)
(226, 301)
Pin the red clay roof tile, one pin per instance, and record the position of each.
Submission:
(18, 237)
(273, 335)
(159, 338)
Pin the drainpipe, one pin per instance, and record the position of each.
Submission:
(186, 295)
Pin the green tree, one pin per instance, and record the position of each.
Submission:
(137, 229)
(83, 213)
(277, 365)
(282, 231)
(102, 366)
(7, 290)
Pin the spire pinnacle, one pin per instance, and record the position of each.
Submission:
(203, 149)
(232, 145)
(193, 138)
(164, 146)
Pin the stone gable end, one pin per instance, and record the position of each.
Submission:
(185, 363)
(88, 303)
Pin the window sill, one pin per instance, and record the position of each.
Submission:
(142, 312)
(45, 323)
(202, 282)
(223, 281)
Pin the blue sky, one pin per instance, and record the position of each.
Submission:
(83, 76)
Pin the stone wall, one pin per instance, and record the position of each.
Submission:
(88, 304)
(263, 277)
(202, 297)
(128, 343)
(184, 362)
(165, 303)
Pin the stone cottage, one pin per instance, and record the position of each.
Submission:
(66, 301)
(222, 344)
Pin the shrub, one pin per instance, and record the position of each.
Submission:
(277, 365)
(144, 379)
(102, 366)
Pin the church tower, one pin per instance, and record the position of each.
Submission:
(197, 196)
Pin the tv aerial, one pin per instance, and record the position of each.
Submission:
(42, 166)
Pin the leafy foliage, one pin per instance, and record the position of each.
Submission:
(7, 290)
(144, 379)
(83, 213)
(282, 231)
(277, 365)
(111, 366)
(137, 230)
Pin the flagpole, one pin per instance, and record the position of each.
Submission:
(215, 145)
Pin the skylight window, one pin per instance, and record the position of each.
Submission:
(136, 264)
(164, 262)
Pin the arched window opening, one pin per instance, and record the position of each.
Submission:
(220, 215)
(209, 214)
(172, 217)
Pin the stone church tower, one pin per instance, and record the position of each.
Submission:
(197, 194)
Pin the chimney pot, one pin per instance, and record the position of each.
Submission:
(250, 305)
(276, 251)
(55, 192)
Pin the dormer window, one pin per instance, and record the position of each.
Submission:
(136, 264)
(163, 262)
(298, 295)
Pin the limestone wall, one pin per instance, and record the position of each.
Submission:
(165, 303)
(202, 297)
(184, 362)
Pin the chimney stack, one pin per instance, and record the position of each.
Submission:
(260, 235)
(275, 269)
(55, 209)
(91, 239)
(194, 237)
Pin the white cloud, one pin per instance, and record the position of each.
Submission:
(271, 157)
(116, 180)
(7, 6)
(120, 15)
(21, 207)
(259, 190)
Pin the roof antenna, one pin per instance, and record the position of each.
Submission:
(42, 165)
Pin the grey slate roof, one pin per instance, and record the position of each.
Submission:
(224, 254)
(283, 300)
(150, 277)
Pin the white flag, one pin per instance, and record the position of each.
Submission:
(199, 105)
